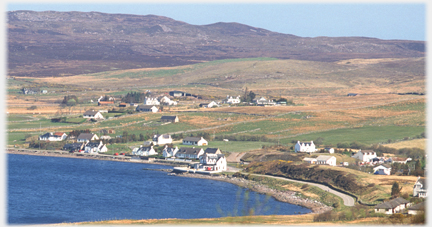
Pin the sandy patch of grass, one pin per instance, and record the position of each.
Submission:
(298, 189)
(416, 143)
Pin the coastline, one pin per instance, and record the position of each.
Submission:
(282, 196)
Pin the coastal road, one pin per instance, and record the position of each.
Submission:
(348, 200)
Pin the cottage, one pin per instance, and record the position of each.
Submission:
(169, 151)
(92, 114)
(264, 102)
(420, 189)
(187, 152)
(382, 169)
(144, 151)
(172, 119)
(56, 136)
(393, 206)
(87, 137)
(213, 162)
(209, 105)
(329, 150)
(310, 160)
(417, 209)
(400, 160)
(326, 160)
(199, 141)
(167, 101)
(159, 139)
(147, 108)
(365, 156)
(74, 146)
(231, 100)
(304, 147)
(95, 147)
(151, 101)
(177, 93)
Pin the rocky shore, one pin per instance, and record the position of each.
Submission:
(283, 196)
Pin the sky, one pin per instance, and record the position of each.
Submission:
(386, 20)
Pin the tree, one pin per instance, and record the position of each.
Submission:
(395, 190)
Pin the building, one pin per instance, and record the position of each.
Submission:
(393, 206)
(169, 151)
(161, 139)
(420, 189)
(176, 93)
(172, 119)
(329, 150)
(188, 152)
(417, 209)
(144, 151)
(231, 100)
(209, 105)
(87, 137)
(400, 160)
(352, 94)
(147, 108)
(326, 160)
(151, 101)
(95, 147)
(213, 162)
(304, 147)
(92, 114)
(310, 160)
(212, 151)
(105, 103)
(123, 104)
(198, 141)
(56, 136)
(264, 102)
(382, 169)
(74, 146)
(365, 156)
(167, 101)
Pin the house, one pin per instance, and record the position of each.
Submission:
(144, 151)
(151, 101)
(329, 150)
(393, 206)
(365, 156)
(27, 91)
(167, 101)
(231, 100)
(382, 169)
(147, 108)
(95, 147)
(106, 98)
(105, 137)
(86, 137)
(264, 102)
(122, 104)
(73, 146)
(105, 103)
(177, 93)
(212, 151)
(209, 105)
(92, 114)
(44, 92)
(171, 119)
(326, 160)
(310, 160)
(56, 136)
(187, 152)
(213, 162)
(304, 147)
(417, 209)
(160, 139)
(169, 151)
(420, 189)
(400, 160)
(352, 94)
(199, 141)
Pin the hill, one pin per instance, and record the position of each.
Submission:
(49, 43)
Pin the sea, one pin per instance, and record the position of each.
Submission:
(44, 190)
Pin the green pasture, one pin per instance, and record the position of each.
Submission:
(232, 146)
(12, 117)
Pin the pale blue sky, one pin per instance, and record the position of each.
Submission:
(383, 21)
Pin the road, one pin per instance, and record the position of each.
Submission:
(348, 200)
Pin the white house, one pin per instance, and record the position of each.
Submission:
(365, 156)
(151, 101)
(167, 101)
(326, 160)
(213, 162)
(231, 100)
(147, 108)
(161, 139)
(417, 209)
(209, 105)
(400, 160)
(56, 136)
(304, 147)
(419, 189)
(86, 137)
(95, 147)
(264, 101)
(382, 170)
(393, 206)
(329, 150)
(195, 141)
(169, 151)
(187, 152)
(92, 114)
(144, 151)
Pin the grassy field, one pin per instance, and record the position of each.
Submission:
(233, 146)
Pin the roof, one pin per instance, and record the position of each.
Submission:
(189, 150)
(59, 133)
(419, 206)
(72, 145)
(422, 181)
(211, 150)
(46, 135)
(398, 159)
(309, 143)
(309, 159)
(168, 117)
(392, 203)
(91, 112)
(145, 148)
(384, 165)
(194, 139)
(85, 136)
(324, 157)
(92, 144)
(367, 151)
(145, 106)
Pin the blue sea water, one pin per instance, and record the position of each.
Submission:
(45, 190)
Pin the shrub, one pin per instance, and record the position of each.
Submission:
(304, 186)
(32, 108)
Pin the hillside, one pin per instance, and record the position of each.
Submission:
(46, 44)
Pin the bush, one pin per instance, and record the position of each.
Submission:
(32, 108)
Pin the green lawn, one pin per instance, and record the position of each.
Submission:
(232, 146)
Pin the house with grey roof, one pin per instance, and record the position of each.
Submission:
(393, 206)
(198, 141)
(189, 152)
(420, 189)
(144, 151)
(212, 151)
(172, 119)
(326, 160)
(417, 209)
(169, 151)
(86, 137)
(95, 147)
(73, 146)
(93, 114)
(147, 108)
(383, 169)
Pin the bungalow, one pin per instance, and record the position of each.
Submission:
(95, 147)
(160, 139)
(231, 100)
(212, 151)
(73, 146)
(187, 152)
(147, 108)
(195, 141)
(209, 105)
(304, 147)
(393, 206)
(86, 137)
(144, 151)
(420, 189)
(326, 160)
(310, 160)
(151, 101)
(365, 156)
(213, 162)
(57, 136)
(169, 151)
(171, 119)
(382, 169)
(417, 209)
(92, 114)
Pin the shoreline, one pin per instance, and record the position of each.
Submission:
(282, 196)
